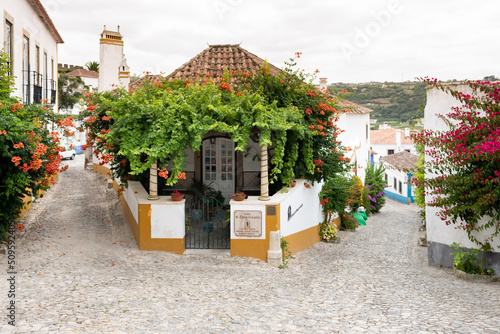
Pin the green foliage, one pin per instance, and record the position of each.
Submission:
(389, 101)
(375, 182)
(366, 199)
(29, 153)
(420, 176)
(92, 66)
(327, 231)
(355, 191)
(68, 90)
(347, 221)
(132, 130)
(334, 196)
(469, 261)
(286, 254)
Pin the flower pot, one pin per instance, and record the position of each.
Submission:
(238, 198)
(177, 198)
(293, 184)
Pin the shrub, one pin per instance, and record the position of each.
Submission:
(374, 181)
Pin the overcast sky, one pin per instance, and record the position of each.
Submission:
(348, 41)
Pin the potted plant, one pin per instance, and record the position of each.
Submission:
(177, 196)
(292, 184)
(240, 196)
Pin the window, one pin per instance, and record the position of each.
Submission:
(389, 152)
(386, 179)
(400, 187)
(395, 184)
(45, 76)
(367, 131)
(37, 65)
(26, 69)
(8, 43)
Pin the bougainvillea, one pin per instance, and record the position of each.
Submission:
(463, 164)
(29, 151)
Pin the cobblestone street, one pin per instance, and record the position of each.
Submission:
(80, 270)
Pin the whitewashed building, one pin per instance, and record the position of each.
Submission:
(355, 122)
(390, 141)
(30, 39)
(399, 168)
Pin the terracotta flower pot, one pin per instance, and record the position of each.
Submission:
(238, 198)
(177, 198)
(293, 184)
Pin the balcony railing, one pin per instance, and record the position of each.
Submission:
(36, 88)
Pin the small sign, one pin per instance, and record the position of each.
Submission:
(248, 223)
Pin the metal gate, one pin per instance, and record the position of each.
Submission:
(207, 225)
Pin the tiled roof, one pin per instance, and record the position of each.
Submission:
(42, 13)
(403, 161)
(388, 136)
(353, 108)
(212, 62)
(83, 73)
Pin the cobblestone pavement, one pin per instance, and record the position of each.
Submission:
(80, 270)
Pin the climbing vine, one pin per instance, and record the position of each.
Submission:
(131, 130)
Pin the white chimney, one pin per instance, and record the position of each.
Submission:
(398, 141)
(407, 132)
(322, 84)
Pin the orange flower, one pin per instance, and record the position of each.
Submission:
(182, 176)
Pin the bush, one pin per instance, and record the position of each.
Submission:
(333, 196)
(374, 181)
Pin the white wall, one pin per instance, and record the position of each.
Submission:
(302, 204)
(26, 21)
(355, 126)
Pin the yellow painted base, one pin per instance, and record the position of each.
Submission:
(257, 248)
(101, 170)
(303, 239)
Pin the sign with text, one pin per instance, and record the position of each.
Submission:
(248, 223)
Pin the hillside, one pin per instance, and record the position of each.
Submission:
(389, 101)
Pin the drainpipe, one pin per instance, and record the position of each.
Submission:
(153, 182)
(264, 178)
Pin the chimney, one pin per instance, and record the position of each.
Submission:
(322, 84)
(407, 132)
(398, 141)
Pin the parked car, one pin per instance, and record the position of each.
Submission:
(68, 153)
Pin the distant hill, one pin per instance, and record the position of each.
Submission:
(389, 101)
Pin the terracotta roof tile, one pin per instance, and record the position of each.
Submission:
(403, 161)
(212, 62)
(354, 108)
(388, 137)
(83, 73)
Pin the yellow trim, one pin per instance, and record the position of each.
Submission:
(303, 239)
(110, 41)
(101, 170)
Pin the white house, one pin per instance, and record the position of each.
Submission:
(390, 141)
(356, 125)
(439, 235)
(399, 168)
(31, 40)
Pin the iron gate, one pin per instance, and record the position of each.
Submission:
(207, 225)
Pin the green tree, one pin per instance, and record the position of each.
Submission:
(92, 66)
(69, 91)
